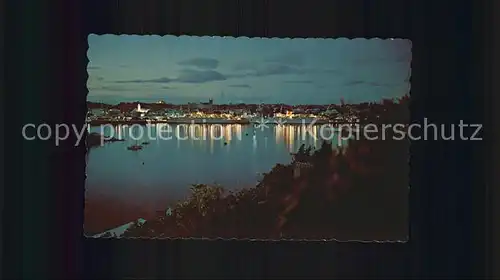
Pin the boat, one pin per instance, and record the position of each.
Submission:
(145, 143)
(134, 147)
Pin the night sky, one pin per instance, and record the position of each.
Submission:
(251, 70)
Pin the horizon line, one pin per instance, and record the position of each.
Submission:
(240, 103)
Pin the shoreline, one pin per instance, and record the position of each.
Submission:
(145, 122)
(203, 121)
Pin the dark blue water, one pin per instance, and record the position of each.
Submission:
(179, 156)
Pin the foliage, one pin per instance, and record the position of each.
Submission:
(358, 192)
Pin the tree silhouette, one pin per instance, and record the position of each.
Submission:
(356, 192)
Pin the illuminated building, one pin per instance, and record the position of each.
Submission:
(139, 111)
(98, 112)
(114, 112)
(202, 105)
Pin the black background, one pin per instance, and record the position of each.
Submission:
(45, 71)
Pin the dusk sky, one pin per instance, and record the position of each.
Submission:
(251, 70)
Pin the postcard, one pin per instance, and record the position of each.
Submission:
(247, 138)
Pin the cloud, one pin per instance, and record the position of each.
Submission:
(285, 64)
(158, 80)
(186, 76)
(116, 88)
(240, 86)
(167, 87)
(115, 98)
(298, 82)
(93, 67)
(199, 76)
(277, 69)
(395, 58)
(250, 70)
(244, 65)
(93, 79)
(123, 66)
(393, 53)
(294, 59)
(332, 71)
(354, 82)
(369, 83)
(202, 63)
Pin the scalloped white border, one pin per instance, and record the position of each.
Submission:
(252, 239)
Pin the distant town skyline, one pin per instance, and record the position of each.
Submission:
(184, 69)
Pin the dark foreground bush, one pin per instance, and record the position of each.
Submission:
(357, 193)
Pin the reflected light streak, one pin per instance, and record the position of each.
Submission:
(205, 131)
(290, 137)
(239, 131)
(189, 132)
(279, 133)
(212, 134)
(228, 133)
(315, 139)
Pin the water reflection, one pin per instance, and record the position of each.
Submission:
(289, 136)
(295, 135)
(181, 155)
